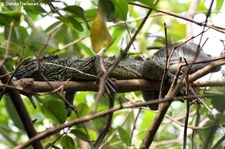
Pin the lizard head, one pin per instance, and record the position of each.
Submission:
(183, 54)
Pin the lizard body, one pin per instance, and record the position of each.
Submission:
(87, 69)
(54, 68)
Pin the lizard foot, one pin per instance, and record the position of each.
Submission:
(110, 87)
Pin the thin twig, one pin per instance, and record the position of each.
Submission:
(107, 126)
(166, 65)
(91, 116)
(9, 39)
(186, 124)
(134, 127)
(217, 28)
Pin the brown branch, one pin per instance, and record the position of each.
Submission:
(209, 83)
(31, 86)
(21, 109)
(107, 126)
(166, 67)
(155, 124)
(206, 70)
(186, 124)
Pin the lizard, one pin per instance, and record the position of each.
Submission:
(55, 68)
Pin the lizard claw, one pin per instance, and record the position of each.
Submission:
(110, 87)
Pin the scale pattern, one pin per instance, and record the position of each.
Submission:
(55, 68)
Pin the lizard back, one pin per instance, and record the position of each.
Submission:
(55, 68)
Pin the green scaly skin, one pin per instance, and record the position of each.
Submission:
(55, 68)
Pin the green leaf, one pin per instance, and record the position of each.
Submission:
(13, 113)
(37, 9)
(80, 98)
(121, 9)
(148, 3)
(88, 50)
(90, 14)
(148, 117)
(124, 135)
(67, 142)
(219, 4)
(109, 8)
(81, 134)
(71, 22)
(117, 34)
(76, 10)
(6, 18)
(15, 49)
(83, 109)
(54, 110)
(21, 33)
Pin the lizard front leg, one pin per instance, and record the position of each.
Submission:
(101, 67)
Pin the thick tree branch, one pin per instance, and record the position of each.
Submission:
(21, 109)
(29, 85)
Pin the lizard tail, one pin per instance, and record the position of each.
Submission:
(151, 95)
(69, 104)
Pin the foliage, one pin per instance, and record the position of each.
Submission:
(65, 29)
